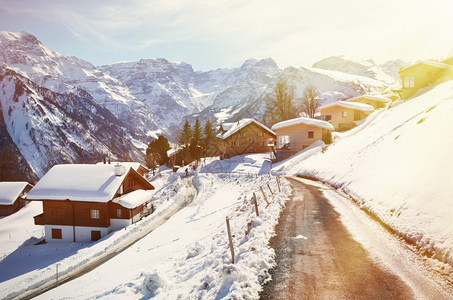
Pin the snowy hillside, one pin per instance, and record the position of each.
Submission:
(187, 256)
(398, 166)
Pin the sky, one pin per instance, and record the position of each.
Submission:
(214, 34)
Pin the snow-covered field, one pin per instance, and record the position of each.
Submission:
(187, 256)
(398, 165)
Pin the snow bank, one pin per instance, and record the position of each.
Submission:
(397, 166)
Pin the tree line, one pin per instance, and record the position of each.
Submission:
(194, 142)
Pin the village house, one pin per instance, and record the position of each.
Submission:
(244, 136)
(297, 134)
(421, 74)
(344, 115)
(375, 101)
(12, 196)
(85, 202)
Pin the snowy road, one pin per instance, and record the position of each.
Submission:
(319, 257)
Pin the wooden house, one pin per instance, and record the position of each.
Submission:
(12, 196)
(421, 74)
(244, 136)
(344, 115)
(297, 134)
(375, 101)
(85, 202)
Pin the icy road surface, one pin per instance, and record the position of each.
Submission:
(327, 248)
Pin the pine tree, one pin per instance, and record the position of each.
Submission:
(160, 147)
(208, 141)
(186, 135)
(195, 148)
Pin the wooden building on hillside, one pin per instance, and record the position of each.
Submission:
(375, 101)
(297, 134)
(244, 136)
(343, 115)
(12, 196)
(421, 74)
(85, 202)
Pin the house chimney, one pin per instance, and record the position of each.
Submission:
(118, 169)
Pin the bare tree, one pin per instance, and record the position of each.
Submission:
(310, 101)
(280, 103)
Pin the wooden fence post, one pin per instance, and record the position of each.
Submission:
(268, 186)
(278, 183)
(57, 273)
(256, 205)
(230, 239)
(264, 195)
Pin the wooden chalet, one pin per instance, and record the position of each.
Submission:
(297, 134)
(344, 115)
(375, 101)
(244, 136)
(85, 202)
(12, 196)
(421, 74)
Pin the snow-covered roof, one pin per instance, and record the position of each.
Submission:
(134, 199)
(173, 151)
(10, 191)
(375, 98)
(95, 183)
(235, 127)
(133, 165)
(351, 105)
(429, 63)
(305, 121)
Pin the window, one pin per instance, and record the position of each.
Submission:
(94, 213)
(233, 144)
(119, 212)
(57, 234)
(283, 140)
(251, 140)
(344, 114)
(327, 117)
(409, 81)
(95, 235)
(251, 149)
(311, 134)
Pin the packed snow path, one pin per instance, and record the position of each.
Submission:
(318, 258)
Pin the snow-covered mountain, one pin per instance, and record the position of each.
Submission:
(387, 72)
(25, 54)
(49, 128)
(154, 96)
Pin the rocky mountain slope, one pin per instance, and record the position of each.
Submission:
(50, 128)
